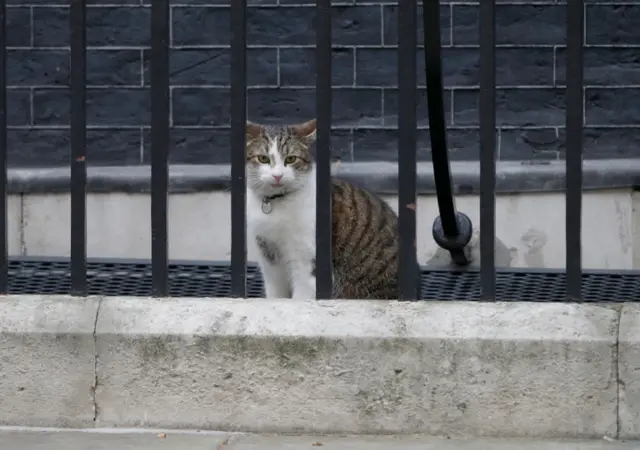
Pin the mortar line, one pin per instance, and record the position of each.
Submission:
(95, 362)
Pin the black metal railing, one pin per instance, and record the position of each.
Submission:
(452, 230)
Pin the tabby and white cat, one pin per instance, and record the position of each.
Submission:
(281, 216)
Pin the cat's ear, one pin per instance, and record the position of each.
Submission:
(306, 131)
(253, 131)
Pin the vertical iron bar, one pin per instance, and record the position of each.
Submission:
(3, 150)
(238, 142)
(407, 140)
(451, 230)
(487, 111)
(574, 124)
(324, 270)
(77, 23)
(437, 126)
(159, 146)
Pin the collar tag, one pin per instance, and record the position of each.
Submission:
(266, 206)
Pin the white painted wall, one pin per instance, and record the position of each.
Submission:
(530, 227)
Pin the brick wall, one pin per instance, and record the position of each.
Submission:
(281, 77)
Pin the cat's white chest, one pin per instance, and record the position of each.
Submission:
(289, 222)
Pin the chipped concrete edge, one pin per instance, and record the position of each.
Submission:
(629, 372)
(379, 176)
(156, 362)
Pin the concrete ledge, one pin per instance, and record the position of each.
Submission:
(381, 177)
(47, 361)
(458, 369)
(629, 371)
(358, 367)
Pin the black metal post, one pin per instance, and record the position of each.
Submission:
(324, 269)
(407, 140)
(77, 23)
(487, 148)
(4, 267)
(238, 151)
(159, 146)
(575, 104)
(452, 230)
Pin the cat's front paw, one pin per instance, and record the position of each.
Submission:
(305, 290)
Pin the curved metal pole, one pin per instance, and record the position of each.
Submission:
(452, 230)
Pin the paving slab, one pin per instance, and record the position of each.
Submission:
(169, 440)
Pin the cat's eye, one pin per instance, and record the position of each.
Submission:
(263, 159)
(290, 159)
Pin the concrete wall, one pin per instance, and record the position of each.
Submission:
(530, 78)
(530, 227)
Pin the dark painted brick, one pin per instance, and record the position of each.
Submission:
(114, 67)
(194, 146)
(613, 24)
(51, 106)
(201, 26)
(463, 144)
(281, 105)
(114, 146)
(19, 105)
(214, 2)
(51, 27)
(612, 106)
(18, 27)
(357, 107)
(520, 107)
(295, 26)
(37, 67)
(66, 2)
(535, 144)
(379, 66)
(605, 66)
(298, 67)
(108, 2)
(515, 24)
(391, 107)
(357, 25)
(196, 67)
(200, 106)
(341, 145)
(106, 26)
(390, 33)
(37, 148)
(132, 25)
(610, 142)
(382, 145)
(212, 146)
(333, 2)
(46, 148)
(114, 107)
(514, 67)
(285, 35)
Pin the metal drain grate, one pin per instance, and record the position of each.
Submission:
(212, 279)
(531, 286)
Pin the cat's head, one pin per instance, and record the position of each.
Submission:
(279, 158)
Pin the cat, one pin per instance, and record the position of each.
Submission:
(281, 217)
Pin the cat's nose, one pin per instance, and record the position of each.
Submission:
(277, 178)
